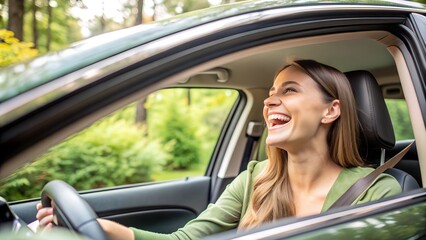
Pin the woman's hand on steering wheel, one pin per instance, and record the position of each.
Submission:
(63, 206)
(44, 217)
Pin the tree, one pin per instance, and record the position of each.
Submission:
(34, 9)
(182, 6)
(49, 25)
(141, 113)
(2, 3)
(139, 15)
(16, 18)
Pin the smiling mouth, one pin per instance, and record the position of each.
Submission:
(278, 119)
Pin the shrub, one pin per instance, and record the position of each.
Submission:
(398, 111)
(109, 153)
(179, 135)
(12, 50)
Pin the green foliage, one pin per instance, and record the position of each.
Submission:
(400, 118)
(109, 153)
(191, 128)
(212, 107)
(12, 50)
(64, 26)
(179, 6)
(176, 130)
(116, 150)
(420, 1)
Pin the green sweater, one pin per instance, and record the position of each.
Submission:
(230, 208)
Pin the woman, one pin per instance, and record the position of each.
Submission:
(313, 159)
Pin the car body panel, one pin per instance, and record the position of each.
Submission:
(381, 226)
(389, 217)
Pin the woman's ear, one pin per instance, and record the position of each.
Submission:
(332, 112)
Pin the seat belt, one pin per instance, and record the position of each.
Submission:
(253, 133)
(362, 184)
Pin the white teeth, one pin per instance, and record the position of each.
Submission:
(280, 117)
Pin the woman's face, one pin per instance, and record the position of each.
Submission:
(294, 110)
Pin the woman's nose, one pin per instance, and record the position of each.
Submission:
(271, 101)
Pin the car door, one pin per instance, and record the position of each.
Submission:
(161, 206)
(385, 219)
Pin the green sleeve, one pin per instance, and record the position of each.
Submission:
(221, 216)
(384, 186)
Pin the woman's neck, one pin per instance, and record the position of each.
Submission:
(312, 169)
(311, 177)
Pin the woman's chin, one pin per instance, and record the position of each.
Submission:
(275, 142)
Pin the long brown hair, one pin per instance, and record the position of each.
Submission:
(272, 196)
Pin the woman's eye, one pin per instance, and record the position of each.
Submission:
(287, 90)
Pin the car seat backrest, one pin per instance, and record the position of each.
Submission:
(377, 133)
(376, 126)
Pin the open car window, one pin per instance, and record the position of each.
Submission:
(169, 135)
(398, 111)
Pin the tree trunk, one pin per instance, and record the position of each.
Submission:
(16, 18)
(139, 16)
(154, 8)
(2, 6)
(34, 24)
(188, 96)
(141, 113)
(49, 26)
(102, 20)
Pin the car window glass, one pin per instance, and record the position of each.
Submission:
(398, 111)
(420, 22)
(169, 135)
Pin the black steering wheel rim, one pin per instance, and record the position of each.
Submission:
(71, 210)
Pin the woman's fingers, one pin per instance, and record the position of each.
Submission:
(43, 213)
(45, 218)
(49, 226)
(45, 221)
(42, 229)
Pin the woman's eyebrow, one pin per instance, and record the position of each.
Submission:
(284, 84)
(289, 83)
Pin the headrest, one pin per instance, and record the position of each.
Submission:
(376, 126)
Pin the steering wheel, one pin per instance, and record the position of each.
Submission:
(70, 210)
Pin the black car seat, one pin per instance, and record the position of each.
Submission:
(377, 133)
